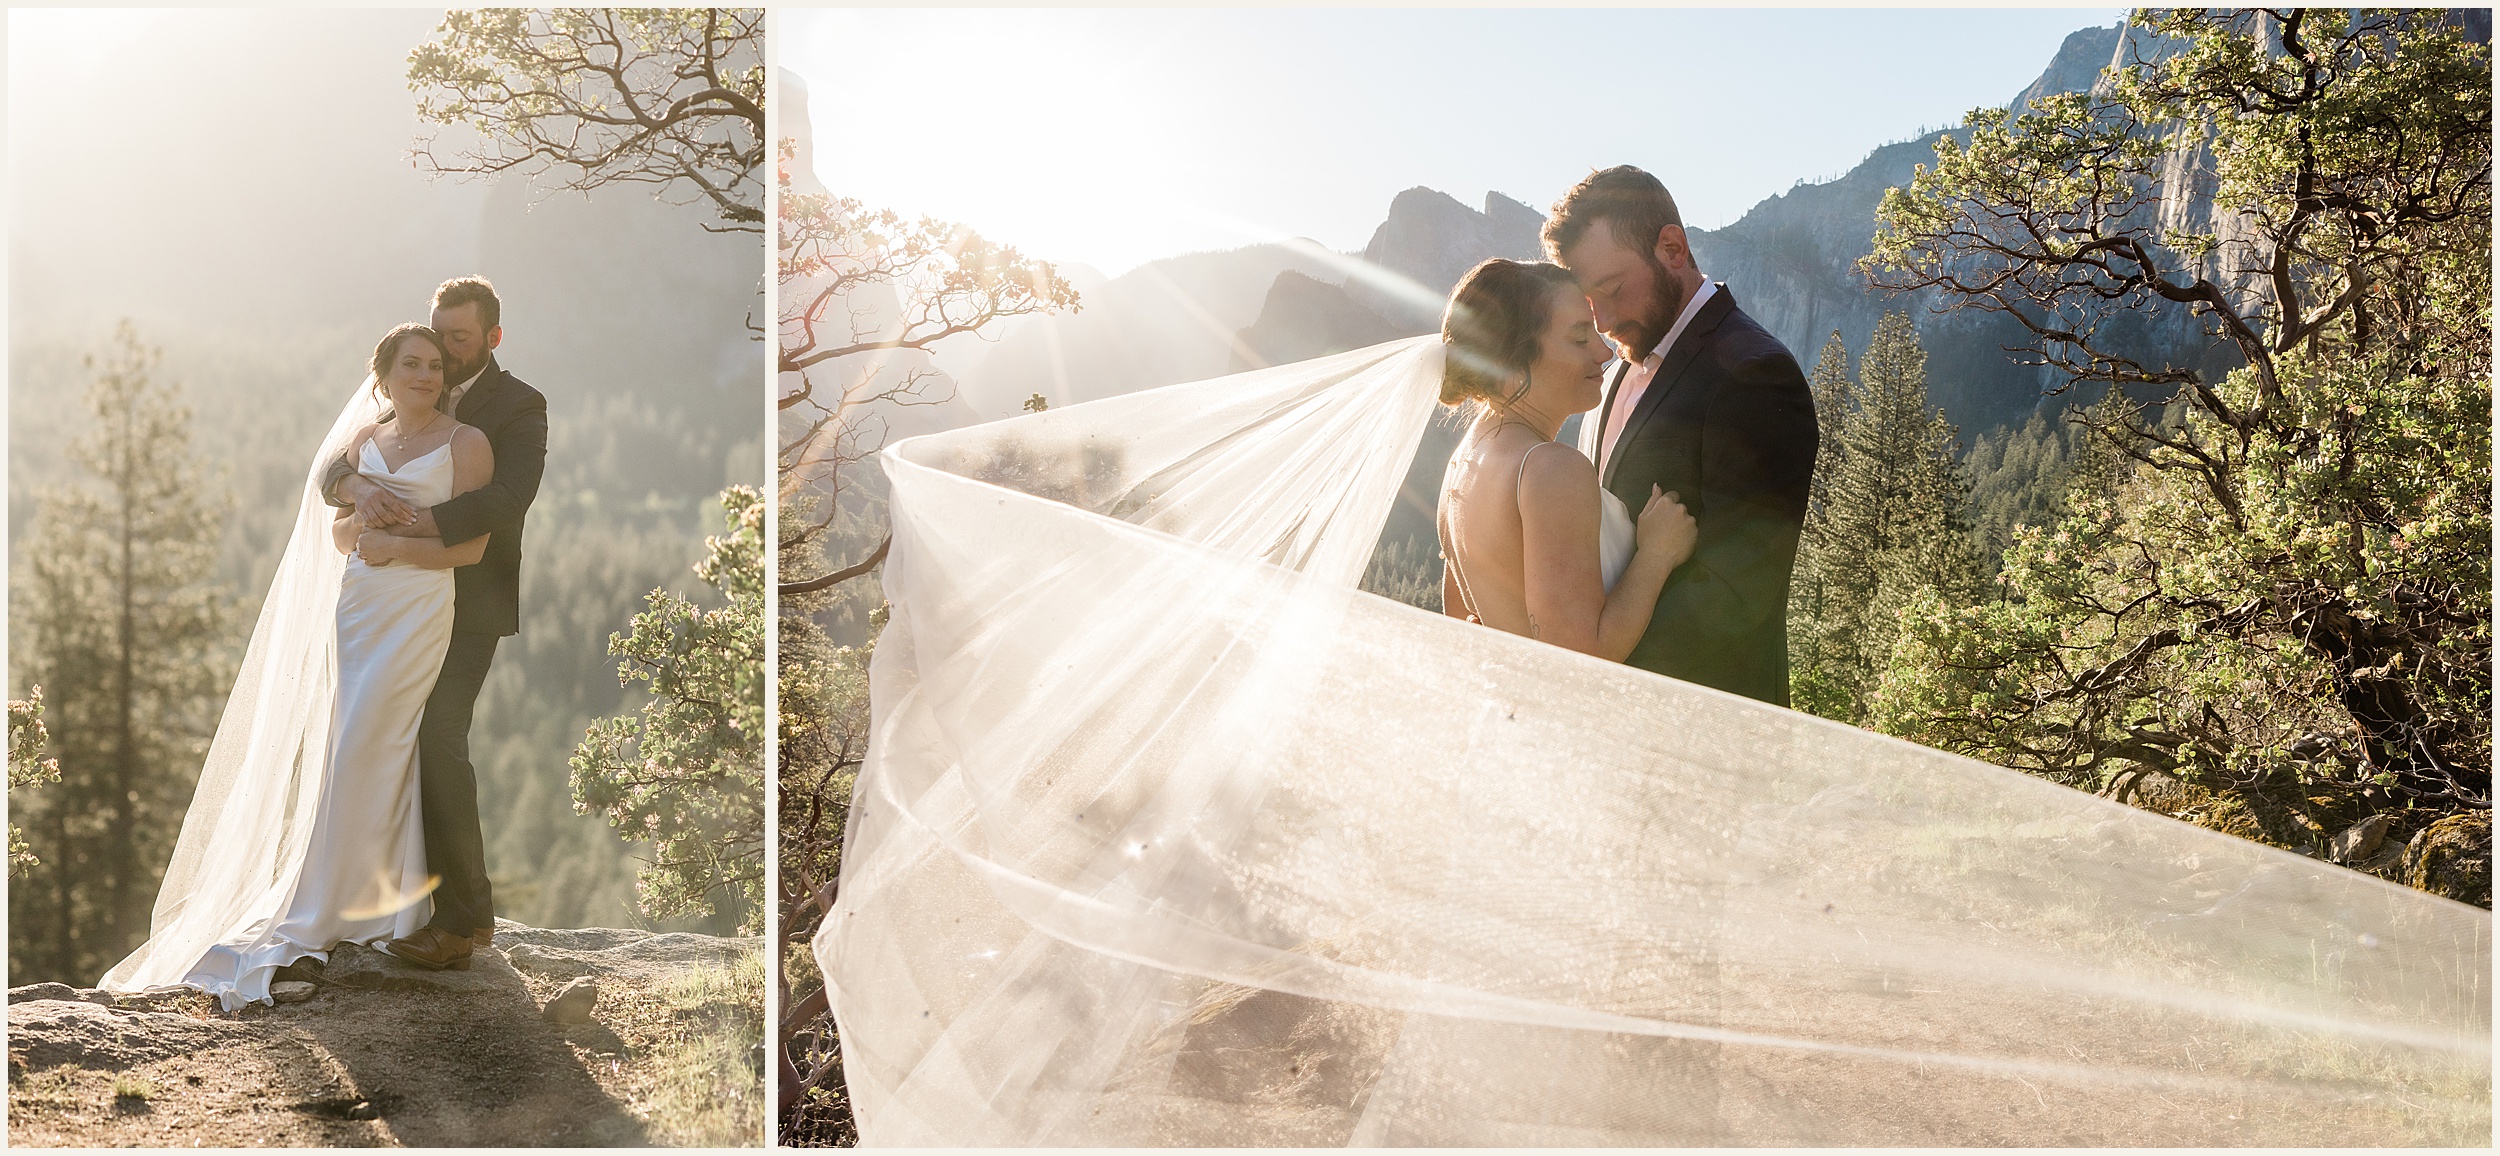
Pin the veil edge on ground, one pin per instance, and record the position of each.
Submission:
(252, 809)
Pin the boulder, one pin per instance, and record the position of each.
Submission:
(2355, 843)
(291, 991)
(574, 1003)
(2452, 857)
(42, 991)
(50, 1032)
(2148, 789)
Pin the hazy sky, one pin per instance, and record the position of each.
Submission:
(168, 164)
(1113, 137)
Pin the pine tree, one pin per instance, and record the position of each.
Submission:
(1811, 638)
(1892, 516)
(1833, 399)
(1939, 545)
(123, 625)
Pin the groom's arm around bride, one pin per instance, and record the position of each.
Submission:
(513, 417)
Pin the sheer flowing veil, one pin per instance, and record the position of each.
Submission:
(1170, 835)
(260, 786)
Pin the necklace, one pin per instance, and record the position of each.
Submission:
(1508, 418)
(403, 434)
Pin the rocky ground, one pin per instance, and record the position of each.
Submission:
(379, 1052)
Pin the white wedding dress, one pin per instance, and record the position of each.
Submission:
(1617, 535)
(1168, 835)
(253, 886)
(1615, 542)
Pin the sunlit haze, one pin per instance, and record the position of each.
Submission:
(1113, 137)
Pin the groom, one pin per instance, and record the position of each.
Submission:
(487, 604)
(1706, 404)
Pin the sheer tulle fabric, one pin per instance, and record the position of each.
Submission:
(1169, 835)
(222, 914)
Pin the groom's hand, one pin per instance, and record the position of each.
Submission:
(376, 506)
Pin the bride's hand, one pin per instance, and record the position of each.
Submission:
(377, 547)
(1665, 526)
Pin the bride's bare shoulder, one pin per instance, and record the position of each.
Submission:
(1557, 468)
(471, 448)
(364, 434)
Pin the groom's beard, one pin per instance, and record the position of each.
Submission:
(453, 375)
(1643, 335)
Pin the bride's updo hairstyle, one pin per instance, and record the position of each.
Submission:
(388, 351)
(1496, 315)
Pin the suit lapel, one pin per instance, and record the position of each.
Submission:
(475, 399)
(1671, 369)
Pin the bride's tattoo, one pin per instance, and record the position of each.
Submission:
(1534, 631)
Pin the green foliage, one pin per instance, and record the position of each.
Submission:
(2276, 589)
(685, 774)
(2018, 478)
(583, 97)
(1886, 517)
(1830, 388)
(118, 618)
(1405, 570)
(27, 768)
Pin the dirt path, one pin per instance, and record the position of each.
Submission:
(389, 1054)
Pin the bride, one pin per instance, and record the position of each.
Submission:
(253, 886)
(1534, 545)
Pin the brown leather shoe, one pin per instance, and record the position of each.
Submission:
(483, 937)
(433, 948)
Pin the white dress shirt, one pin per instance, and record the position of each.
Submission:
(451, 405)
(1636, 382)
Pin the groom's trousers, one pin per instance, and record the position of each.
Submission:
(455, 847)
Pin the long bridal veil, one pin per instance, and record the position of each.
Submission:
(1169, 835)
(251, 815)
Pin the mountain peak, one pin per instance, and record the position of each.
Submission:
(1432, 239)
(2076, 66)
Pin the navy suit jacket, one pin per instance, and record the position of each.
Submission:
(1728, 426)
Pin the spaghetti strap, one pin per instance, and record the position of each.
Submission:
(1521, 480)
